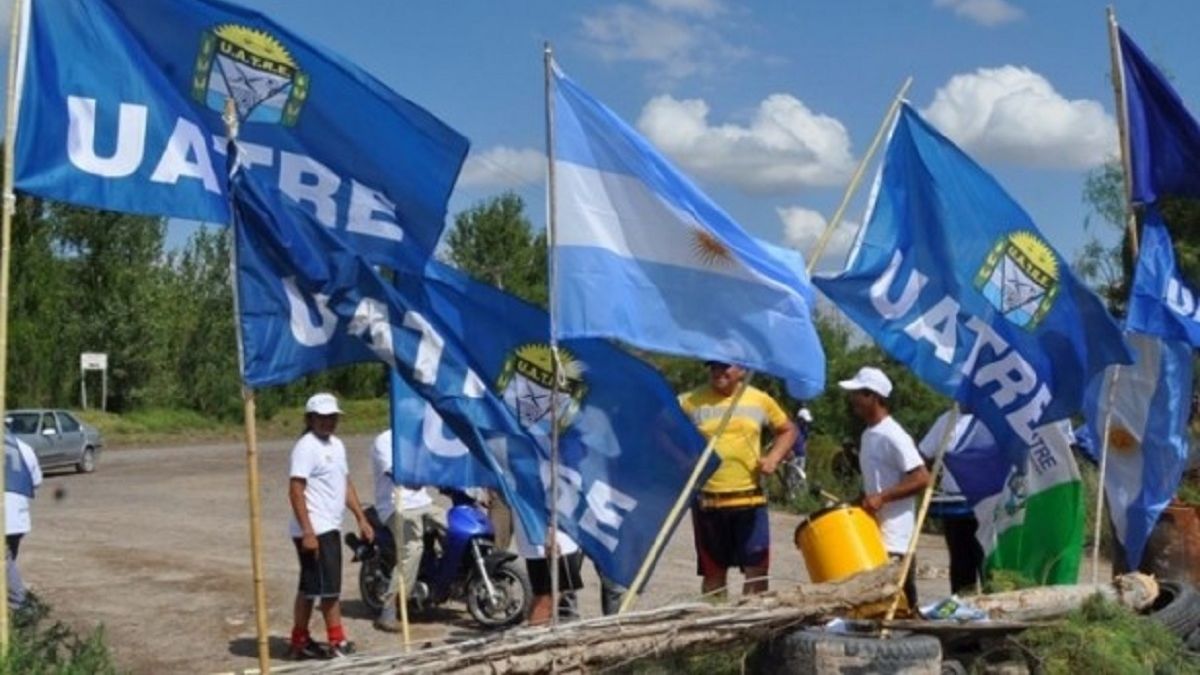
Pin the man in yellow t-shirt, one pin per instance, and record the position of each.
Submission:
(730, 516)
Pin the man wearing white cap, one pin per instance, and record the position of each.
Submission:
(892, 469)
(319, 491)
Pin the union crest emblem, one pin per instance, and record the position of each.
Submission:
(1020, 278)
(527, 387)
(254, 69)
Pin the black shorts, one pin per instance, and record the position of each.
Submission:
(570, 577)
(321, 571)
(727, 538)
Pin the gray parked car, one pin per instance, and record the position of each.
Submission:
(57, 437)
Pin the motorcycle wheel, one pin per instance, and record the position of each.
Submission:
(513, 595)
(373, 582)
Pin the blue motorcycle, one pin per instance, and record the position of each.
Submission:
(459, 562)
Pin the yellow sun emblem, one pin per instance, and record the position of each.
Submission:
(1038, 255)
(257, 42)
(1121, 440)
(710, 250)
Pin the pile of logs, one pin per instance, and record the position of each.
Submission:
(694, 627)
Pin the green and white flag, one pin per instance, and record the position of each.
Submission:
(1031, 518)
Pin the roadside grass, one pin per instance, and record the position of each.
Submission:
(166, 425)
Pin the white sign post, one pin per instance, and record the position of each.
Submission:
(93, 361)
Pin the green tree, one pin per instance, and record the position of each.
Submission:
(493, 241)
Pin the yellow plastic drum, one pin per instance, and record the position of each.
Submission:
(838, 542)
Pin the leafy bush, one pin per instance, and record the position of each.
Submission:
(39, 646)
(1104, 638)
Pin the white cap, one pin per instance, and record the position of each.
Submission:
(805, 415)
(869, 378)
(322, 404)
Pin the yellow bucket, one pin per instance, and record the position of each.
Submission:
(838, 542)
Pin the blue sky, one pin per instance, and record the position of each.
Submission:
(768, 105)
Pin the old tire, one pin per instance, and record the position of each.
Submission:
(1177, 607)
(816, 651)
(1193, 641)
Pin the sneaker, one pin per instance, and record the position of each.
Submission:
(343, 648)
(310, 650)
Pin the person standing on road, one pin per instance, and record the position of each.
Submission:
(407, 526)
(958, 520)
(320, 490)
(892, 469)
(730, 519)
(23, 475)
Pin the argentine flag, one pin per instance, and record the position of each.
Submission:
(643, 256)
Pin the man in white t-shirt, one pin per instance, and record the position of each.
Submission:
(892, 470)
(319, 491)
(406, 525)
(22, 477)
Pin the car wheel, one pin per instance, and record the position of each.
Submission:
(87, 461)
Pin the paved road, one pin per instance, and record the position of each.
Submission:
(155, 546)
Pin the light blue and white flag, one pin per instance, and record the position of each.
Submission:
(953, 279)
(643, 256)
(121, 110)
(1147, 436)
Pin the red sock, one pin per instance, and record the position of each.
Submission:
(300, 637)
(336, 634)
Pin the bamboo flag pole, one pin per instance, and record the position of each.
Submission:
(939, 460)
(856, 178)
(401, 564)
(1118, 81)
(551, 547)
(249, 417)
(682, 501)
(15, 54)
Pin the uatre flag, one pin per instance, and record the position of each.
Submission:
(121, 110)
(642, 255)
(477, 363)
(1161, 301)
(1147, 435)
(626, 449)
(1164, 139)
(1031, 516)
(953, 279)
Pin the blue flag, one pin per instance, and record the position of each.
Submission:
(121, 110)
(1147, 435)
(18, 476)
(1164, 139)
(475, 363)
(626, 448)
(1161, 302)
(642, 255)
(953, 279)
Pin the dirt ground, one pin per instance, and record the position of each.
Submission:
(155, 546)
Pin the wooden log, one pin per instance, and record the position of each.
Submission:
(1135, 591)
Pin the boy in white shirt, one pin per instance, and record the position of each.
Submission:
(892, 469)
(319, 491)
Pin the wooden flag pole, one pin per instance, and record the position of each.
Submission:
(856, 178)
(939, 460)
(682, 501)
(15, 52)
(249, 416)
(402, 583)
(1118, 81)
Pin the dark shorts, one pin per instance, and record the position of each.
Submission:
(731, 538)
(570, 577)
(321, 572)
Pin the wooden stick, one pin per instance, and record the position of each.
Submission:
(682, 501)
(253, 489)
(1109, 399)
(551, 547)
(856, 178)
(1122, 106)
(10, 204)
(402, 585)
(939, 459)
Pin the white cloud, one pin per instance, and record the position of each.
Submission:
(784, 147)
(802, 229)
(704, 8)
(983, 12)
(676, 48)
(1013, 114)
(503, 167)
